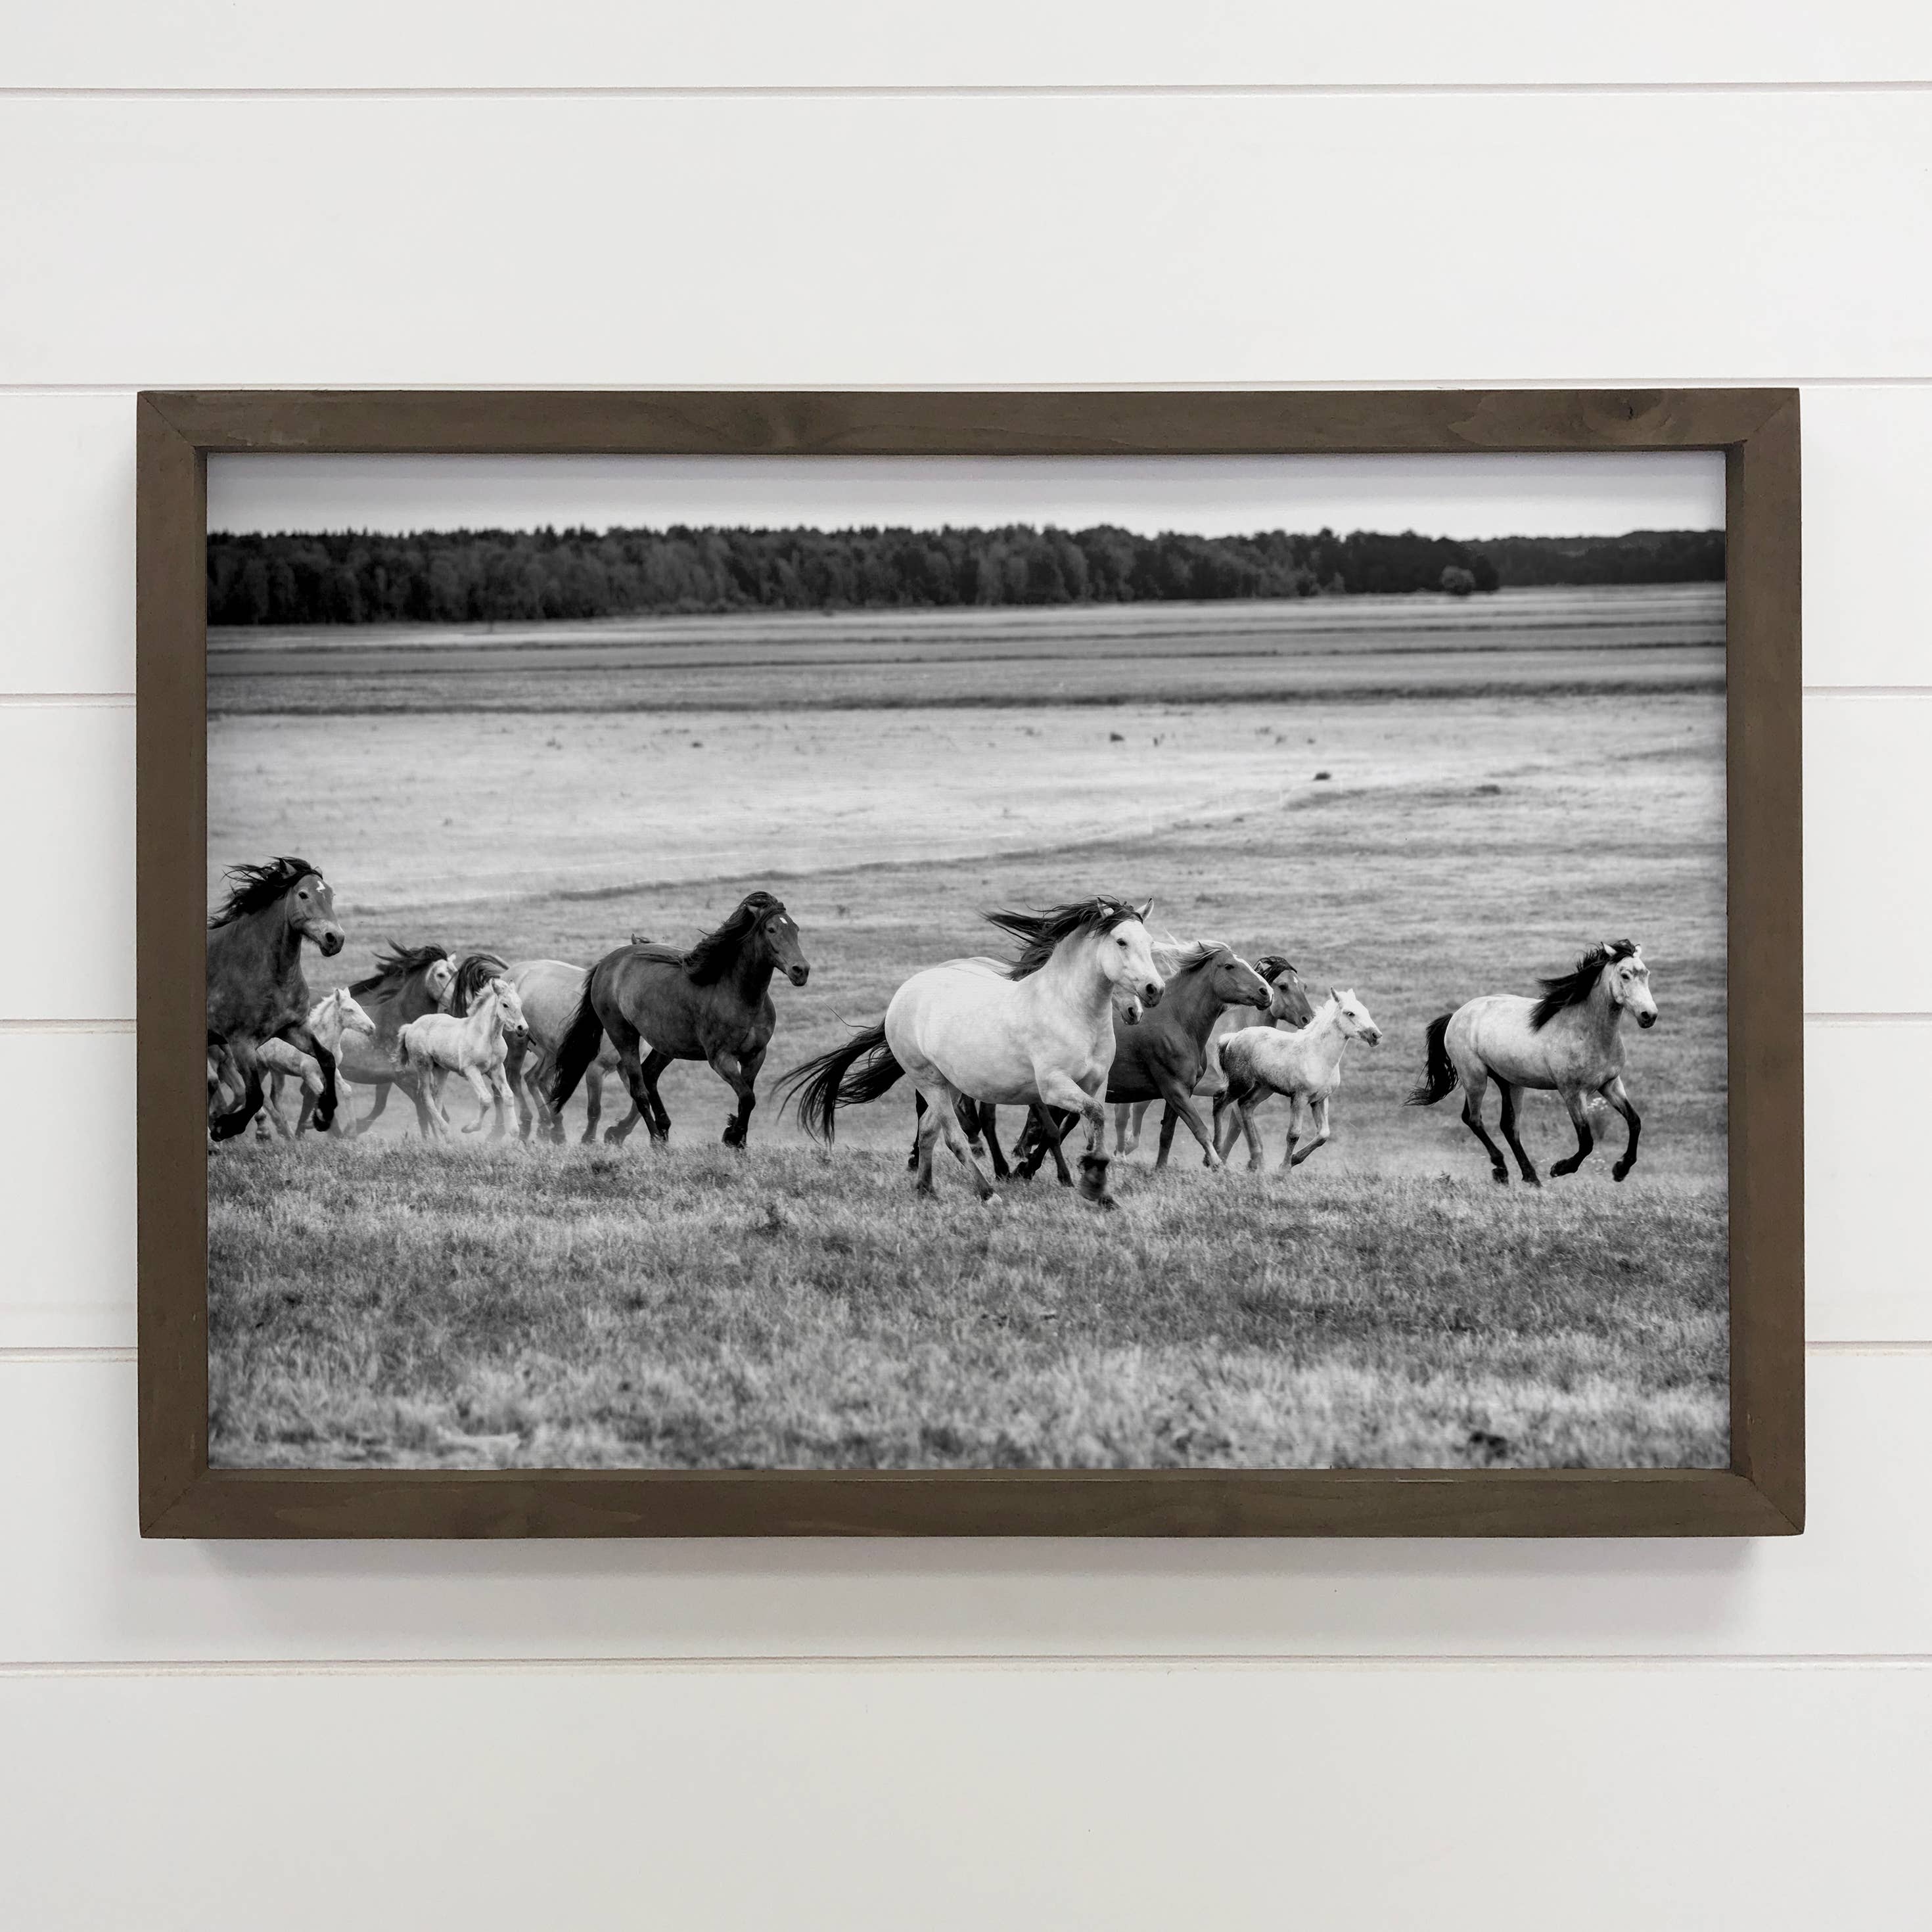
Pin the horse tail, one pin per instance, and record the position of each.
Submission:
(1439, 1080)
(818, 1087)
(582, 1040)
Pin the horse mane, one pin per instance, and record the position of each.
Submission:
(1572, 987)
(256, 888)
(1039, 933)
(396, 965)
(1271, 966)
(474, 971)
(1174, 956)
(717, 953)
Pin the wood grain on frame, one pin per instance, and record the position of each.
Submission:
(1763, 1492)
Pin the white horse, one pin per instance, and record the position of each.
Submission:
(1043, 1032)
(978, 1120)
(1306, 1066)
(336, 1017)
(1569, 1040)
(476, 1047)
(1289, 1006)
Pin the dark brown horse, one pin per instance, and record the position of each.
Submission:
(409, 982)
(712, 1004)
(256, 989)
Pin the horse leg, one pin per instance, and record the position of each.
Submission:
(1474, 1086)
(593, 1106)
(1297, 1108)
(657, 1117)
(375, 1113)
(741, 1076)
(1062, 1090)
(1612, 1090)
(241, 1061)
(506, 1101)
(944, 1101)
(627, 1040)
(498, 1103)
(1180, 1109)
(269, 1123)
(1127, 1129)
(989, 1128)
(1580, 1118)
(1054, 1132)
(430, 1116)
(1511, 1093)
(533, 1116)
(1322, 1136)
(1227, 1124)
(926, 1132)
(300, 1036)
(918, 1132)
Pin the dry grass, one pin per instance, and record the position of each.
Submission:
(522, 1306)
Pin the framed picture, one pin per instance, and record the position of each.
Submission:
(1150, 964)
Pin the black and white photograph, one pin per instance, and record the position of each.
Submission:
(926, 962)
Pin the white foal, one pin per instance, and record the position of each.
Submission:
(1289, 1006)
(1306, 1066)
(476, 1047)
(336, 1017)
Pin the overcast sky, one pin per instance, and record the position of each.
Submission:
(1440, 495)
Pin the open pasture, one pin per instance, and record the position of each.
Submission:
(1464, 838)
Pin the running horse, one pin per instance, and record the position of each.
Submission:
(1569, 1040)
(551, 991)
(1291, 1007)
(1164, 1058)
(409, 982)
(980, 1118)
(256, 989)
(1042, 1033)
(712, 1004)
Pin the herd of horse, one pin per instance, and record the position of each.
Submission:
(1091, 1011)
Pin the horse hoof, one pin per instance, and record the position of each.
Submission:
(1617, 1172)
(1530, 1180)
(1500, 1176)
(989, 1199)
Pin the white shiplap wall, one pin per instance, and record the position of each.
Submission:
(1601, 1736)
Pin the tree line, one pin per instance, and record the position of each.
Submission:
(492, 576)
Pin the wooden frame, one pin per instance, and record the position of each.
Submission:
(1762, 1492)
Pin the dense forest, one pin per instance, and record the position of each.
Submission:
(487, 576)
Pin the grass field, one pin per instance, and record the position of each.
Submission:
(1368, 794)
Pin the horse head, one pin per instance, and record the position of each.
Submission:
(1124, 948)
(778, 933)
(1627, 980)
(311, 904)
(1353, 1017)
(1236, 983)
(1290, 1003)
(510, 1010)
(350, 1016)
